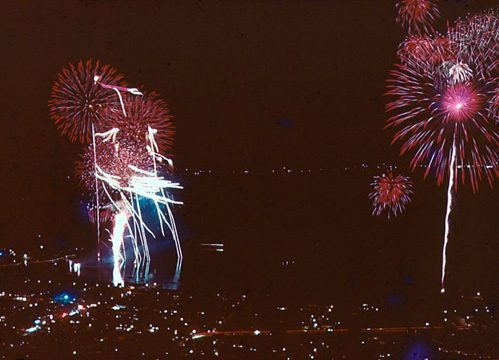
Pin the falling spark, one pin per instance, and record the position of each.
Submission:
(447, 214)
(97, 210)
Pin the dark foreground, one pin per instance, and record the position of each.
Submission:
(49, 319)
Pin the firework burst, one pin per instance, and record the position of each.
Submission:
(424, 52)
(125, 170)
(78, 102)
(417, 15)
(390, 194)
(114, 159)
(446, 107)
(143, 115)
(122, 165)
(476, 42)
(431, 117)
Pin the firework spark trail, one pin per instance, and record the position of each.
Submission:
(447, 214)
(118, 90)
(153, 148)
(143, 238)
(148, 185)
(133, 236)
(108, 135)
(178, 268)
(153, 151)
(111, 134)
(114, 183)
(96, 193)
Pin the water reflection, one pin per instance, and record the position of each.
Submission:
(161, 270)
(117, 273)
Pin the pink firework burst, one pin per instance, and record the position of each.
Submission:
(460, 103)
(77, 102)
(476, 40)
(446, 106)
(451, 103)
(113, 158)
(390, 194)
(417, 15)
(431, 119)
(142, 113)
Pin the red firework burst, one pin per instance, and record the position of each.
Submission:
(143, 112)
(433, 116)
(390, 194)
(417, 15)
(77, 101)
(452, 102)
(424, 52)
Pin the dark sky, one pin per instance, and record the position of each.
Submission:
(252, 84)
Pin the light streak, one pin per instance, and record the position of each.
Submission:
(32, 329)
(96, 193)
(120, 222)
(141, 184)
(447, 214)
(325, 330)
(108, 135)
(118, 90)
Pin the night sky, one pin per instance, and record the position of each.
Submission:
(252, 84)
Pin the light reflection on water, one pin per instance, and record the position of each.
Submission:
(163, 270)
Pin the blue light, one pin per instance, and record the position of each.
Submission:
(32, 329)
(64, 298)
(420, 349)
